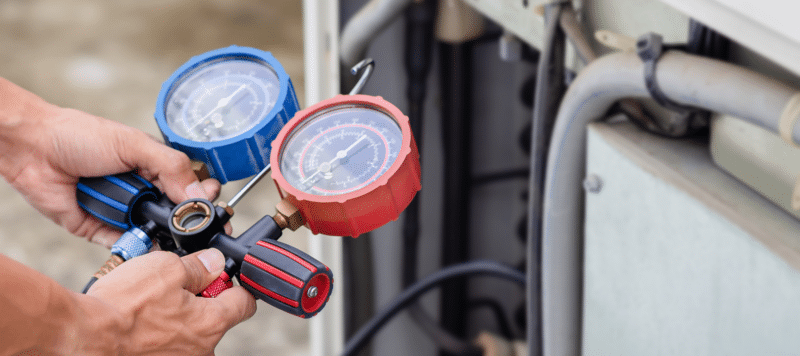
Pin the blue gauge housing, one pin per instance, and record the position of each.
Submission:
(244, 153)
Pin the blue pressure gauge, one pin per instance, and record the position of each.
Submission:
(224, 108)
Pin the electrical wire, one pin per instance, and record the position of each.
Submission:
(704, 41)
(410, 295)
(480, 179)
(456, 73)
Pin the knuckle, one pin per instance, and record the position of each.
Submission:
(178, 160)
(170, 262)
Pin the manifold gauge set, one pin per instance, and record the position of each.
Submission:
(343, 167)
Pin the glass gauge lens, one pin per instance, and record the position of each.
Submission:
(340, 149)
(221, 99)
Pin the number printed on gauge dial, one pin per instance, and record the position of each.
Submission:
(340, 150)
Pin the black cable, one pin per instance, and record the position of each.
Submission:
(408, 296)
(704, 41)
(89, 285)
(480, 179)
(358, 292)
(549, 89)
(455, 62)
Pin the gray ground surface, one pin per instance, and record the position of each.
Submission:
(109, 58)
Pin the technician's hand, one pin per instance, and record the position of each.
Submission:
(155, 310)
(44, 149)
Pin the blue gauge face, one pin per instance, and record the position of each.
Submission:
(340, 149)
(221, 99)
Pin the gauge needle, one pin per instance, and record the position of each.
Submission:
(328, 166)
(220, 104)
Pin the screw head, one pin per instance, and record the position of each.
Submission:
(312, 292)
(593, 184)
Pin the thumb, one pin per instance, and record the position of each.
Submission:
(202, 268)
(170, 167)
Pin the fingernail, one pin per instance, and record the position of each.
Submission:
(213, 260)
(195, 190)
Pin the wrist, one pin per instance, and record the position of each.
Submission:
(77, 324)
(39, 315)
(19, 107)
(22, 114)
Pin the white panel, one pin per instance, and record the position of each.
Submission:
(680, 258)
(779, 16)
(321, 46)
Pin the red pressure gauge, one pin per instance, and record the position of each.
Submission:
(349, 164)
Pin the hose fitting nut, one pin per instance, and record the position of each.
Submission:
(287, 216)
(132, 243)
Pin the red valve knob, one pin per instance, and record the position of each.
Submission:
(286, 278)
(219, 285)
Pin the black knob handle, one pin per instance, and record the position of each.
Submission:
(113, 198)
(286, 278)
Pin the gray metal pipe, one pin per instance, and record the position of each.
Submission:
(690, 80)
(572, 28)
(365, 25)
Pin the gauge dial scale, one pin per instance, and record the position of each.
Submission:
(349, 164)
(225, 107)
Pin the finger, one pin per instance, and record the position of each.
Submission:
(170, 167)
(196, 190)
(237, 305)
(88, 226)
(228, 228)
(105, 236)
(202, 268)
(211, 187)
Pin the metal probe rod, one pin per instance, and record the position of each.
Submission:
(367, 62)
(253, 181)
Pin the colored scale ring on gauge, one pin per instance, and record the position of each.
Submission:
(322, 134)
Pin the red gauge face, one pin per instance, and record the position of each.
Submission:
(349, 164)
(340, 149)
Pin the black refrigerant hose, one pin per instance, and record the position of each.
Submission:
(412, 293)
(456, 83)
(419, 37)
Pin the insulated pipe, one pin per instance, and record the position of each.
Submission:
(547, 94)
(365, 25)
(687, 79)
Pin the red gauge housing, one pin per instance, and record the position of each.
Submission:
(369, 207)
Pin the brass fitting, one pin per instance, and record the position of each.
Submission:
(109, 266)
(287, 216)
(228, 209)
(191, 211)
(200, 170)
